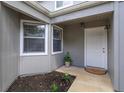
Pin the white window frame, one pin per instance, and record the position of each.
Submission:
(22, 40)
(64, 6)
(58, 52)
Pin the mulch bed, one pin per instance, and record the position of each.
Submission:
(41, 83)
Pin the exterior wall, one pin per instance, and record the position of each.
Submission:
(34, 64)
(56, 60)
(77, 2)
(121, 46)
(23, 8)
(99, 9)
(74, 40)
(50, 5)
(74, 43)
(116, 63)
(9, 46)
(42, 63)
(0, 50)
(111, 51)
(12, 64)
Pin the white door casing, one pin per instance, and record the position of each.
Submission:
(96, 47)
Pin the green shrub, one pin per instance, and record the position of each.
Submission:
(67, 57)
(54, 87)
(66, 77)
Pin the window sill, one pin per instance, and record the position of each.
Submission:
(54, 53)
(33, 54)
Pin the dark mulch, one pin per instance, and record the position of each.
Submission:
(40, 83)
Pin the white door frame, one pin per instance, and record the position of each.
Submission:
(85, 51)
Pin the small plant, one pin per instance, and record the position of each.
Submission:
(67, 59)
(54, 87)
(66, 77)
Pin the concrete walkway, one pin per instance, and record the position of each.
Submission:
(86, 82)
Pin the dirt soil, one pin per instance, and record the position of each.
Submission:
(41, 83)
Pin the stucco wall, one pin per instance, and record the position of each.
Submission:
(74, 43)
(9, 46)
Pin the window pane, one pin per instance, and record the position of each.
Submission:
(33, 45)
(34, 30)
(67, 3)
(56, 45)
(59, 4)
(57, 33)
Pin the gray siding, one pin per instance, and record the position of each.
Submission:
(77, 2)
(99, 9)
(22, 7)
(121, 47)
(50, 5)
(74, 40)
(9, 46)
(34, 64)
(11, 64)
(111, 51)
(74, 43)
(56, 61)
(0, 50)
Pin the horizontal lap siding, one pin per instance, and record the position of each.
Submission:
(10, 46)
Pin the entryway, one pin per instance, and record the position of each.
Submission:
(96, 47)
(86, 82)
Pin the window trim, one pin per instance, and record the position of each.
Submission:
(22, 39)
(58, 52)
(62, 6)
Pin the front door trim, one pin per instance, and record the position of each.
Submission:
(85, 46)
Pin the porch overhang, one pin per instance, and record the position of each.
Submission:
(99, 9)
(63, 11)
(26, 9)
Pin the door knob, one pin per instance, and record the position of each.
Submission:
(103, 50)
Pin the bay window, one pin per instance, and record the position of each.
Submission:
(33, 38)
(62, 4)
(57, 41)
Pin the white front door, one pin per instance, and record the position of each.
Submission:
(96, 47)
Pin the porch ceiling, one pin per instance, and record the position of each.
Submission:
(99, 17)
